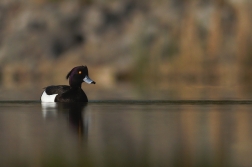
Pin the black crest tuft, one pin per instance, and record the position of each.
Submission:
(68, 75)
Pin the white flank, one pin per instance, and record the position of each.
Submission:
(48, 98)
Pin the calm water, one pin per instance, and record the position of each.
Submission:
(126, 133)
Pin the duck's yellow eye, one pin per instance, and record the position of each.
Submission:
(79, 72)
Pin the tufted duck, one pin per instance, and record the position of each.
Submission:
(72, 93)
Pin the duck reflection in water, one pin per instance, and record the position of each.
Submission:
(74, 112)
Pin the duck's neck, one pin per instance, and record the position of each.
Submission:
(74, 84)
(75, 87)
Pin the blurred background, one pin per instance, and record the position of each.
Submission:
(152, 49)
(134, 49)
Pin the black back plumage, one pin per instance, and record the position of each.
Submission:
(56, 89)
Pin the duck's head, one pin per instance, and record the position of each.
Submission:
(78, 75)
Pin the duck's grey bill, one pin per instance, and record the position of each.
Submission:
(88, 80)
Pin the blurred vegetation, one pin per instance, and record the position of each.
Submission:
(177, 42)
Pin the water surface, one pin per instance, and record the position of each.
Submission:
(126, 133)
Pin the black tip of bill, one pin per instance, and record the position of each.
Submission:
(88, 80)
